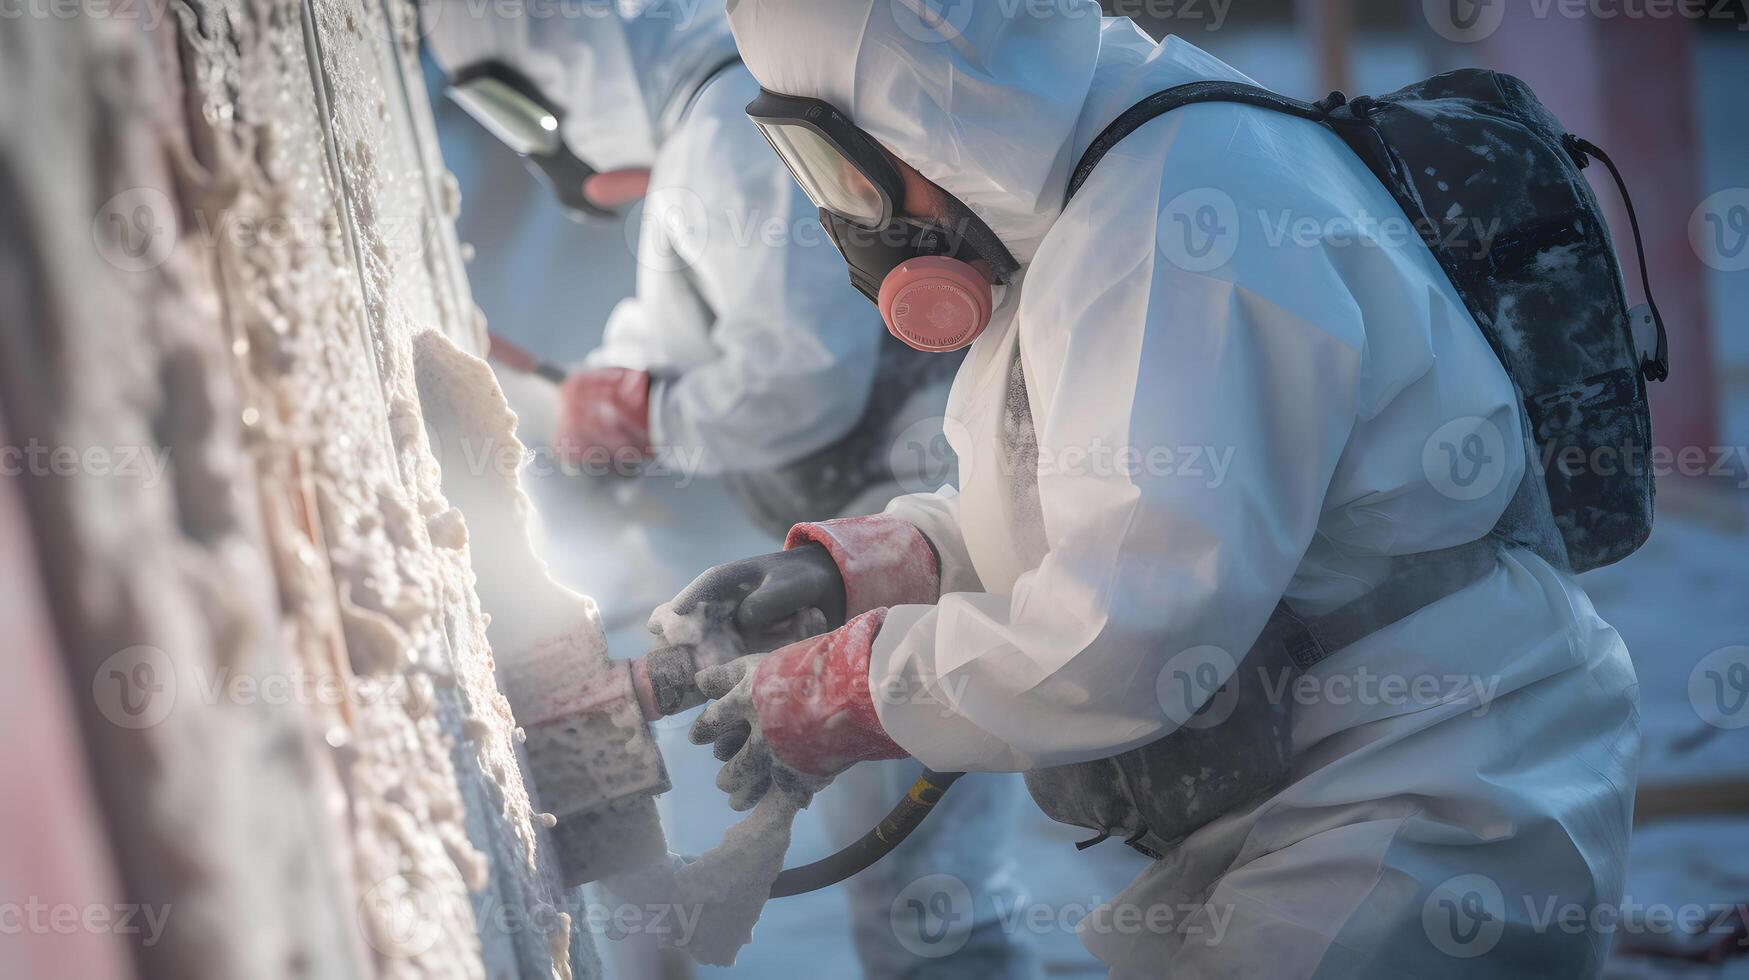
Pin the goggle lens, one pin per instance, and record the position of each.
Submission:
(831, 180)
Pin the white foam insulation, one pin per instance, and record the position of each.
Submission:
(224, 234)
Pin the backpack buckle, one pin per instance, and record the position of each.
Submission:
(1650, 341)
(1575, 149)
(1330, 103)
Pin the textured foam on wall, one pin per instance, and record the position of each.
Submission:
(227, 228)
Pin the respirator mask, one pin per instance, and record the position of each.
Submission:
(933, 278)
(512, 108)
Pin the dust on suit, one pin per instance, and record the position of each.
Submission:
(1459, 771)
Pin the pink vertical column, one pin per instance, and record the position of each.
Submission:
(1627, 84)
(1328, 25)
(54, 853)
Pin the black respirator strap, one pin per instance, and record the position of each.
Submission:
(715, 72)
(976, 235)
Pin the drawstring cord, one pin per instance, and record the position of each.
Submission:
(1657, 368)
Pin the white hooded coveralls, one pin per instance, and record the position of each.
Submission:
(1237, 388)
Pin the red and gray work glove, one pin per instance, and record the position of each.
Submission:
(797, 717)
(775, 713)
(604, 415)
(827, 573)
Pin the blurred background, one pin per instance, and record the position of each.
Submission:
(1665, 95)
(265, 715)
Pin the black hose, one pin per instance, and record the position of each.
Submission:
(667, 687)
(874, 845)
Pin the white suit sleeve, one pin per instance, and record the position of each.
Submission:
(937, 516)
(796, 345)
(1133, 366)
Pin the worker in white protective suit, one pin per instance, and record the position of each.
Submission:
(738, 352)
(744, 352)
(1181, 442)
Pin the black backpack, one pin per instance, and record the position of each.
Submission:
(1478, 143)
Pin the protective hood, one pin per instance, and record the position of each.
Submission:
(621, 71)
(981, 100)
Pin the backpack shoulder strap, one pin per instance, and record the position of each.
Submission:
(1179, 96)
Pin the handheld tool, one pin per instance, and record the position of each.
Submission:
(518, 358)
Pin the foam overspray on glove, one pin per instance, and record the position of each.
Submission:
(794, 718)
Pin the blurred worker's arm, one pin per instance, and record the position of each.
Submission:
(797, 345)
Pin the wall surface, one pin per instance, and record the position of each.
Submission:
(224, 234)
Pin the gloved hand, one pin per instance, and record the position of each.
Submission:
(754, 605)
(796, 717)
(829, 572)
(603, 410)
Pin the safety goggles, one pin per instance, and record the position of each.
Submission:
(841, 168)
(512, 109)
